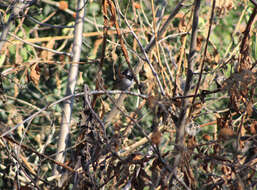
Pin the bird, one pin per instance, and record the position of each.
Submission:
(124, 81)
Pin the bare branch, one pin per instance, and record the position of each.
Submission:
(73, 73)
(181, 123)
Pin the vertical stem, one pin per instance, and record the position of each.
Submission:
(181, 123)
(73, 73)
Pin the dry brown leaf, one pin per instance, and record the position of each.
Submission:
(137, 5)
(16, 87)
(197, 108)
(222, 123)
(137, 157)
(245, 77)
(253, 127)
(63, 5)
(224, 6)
(200, 40)
(235, 100)
(38, 139)
(35, 74)
(226, 170)
(180, 15)
(17, 120)
(243, 131)
(216, 57)
(182, 25)
(80, 80)
(46, 55)
(148, 72)
(105, 107)
(18, 58)
(12, 111)
(206, 137)
(97, 43)
(249, 108)
(156, 137)
(239, 185)
(191, 142)
(152, 101)
(226, 133)
(114, 55)
(206, 83)
(58, 83)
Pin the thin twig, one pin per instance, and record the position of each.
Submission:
(173, 36)
(18, 8)
(40, 47)
(165, 25)
(48, 25)
(146, 57)
(204, 56)
(100, 92)
(29, 104)
(244, 47)
(70, 12)
(87, 101)
(39, 154)
(138, 67)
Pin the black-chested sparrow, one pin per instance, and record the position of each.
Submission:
(124, 81)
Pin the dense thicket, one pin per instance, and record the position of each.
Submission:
(188, 121)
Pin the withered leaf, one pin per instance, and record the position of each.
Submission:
(35, 74)
(226, 133)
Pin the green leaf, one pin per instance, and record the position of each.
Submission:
(66, 31)
(12, 49)
(24, 53)
(254, 47)
(2, 59)
(94, 7)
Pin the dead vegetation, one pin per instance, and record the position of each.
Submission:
(188, 122)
